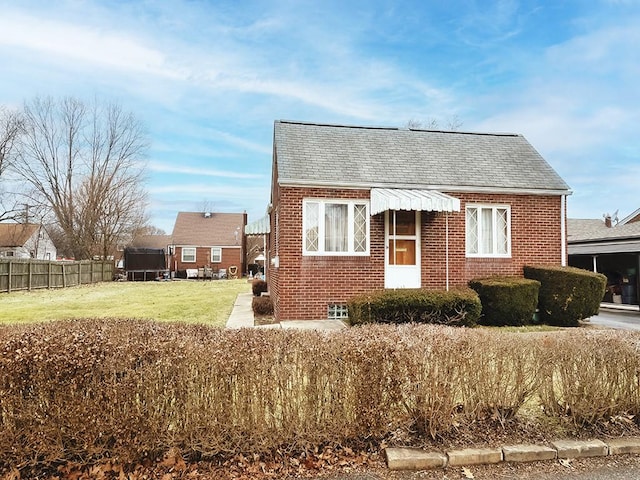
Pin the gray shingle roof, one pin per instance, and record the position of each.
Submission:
(313, 154)
(589, 230)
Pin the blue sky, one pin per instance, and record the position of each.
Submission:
(208, 78)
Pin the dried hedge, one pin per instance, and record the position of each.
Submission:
(129, 389)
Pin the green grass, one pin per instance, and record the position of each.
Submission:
(207, 302)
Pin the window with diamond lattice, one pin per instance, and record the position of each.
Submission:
(488, 231)
(335, 227)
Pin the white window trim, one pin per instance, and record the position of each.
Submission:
(350, 230)
(219, 250)
(194, 254)
(494, 208)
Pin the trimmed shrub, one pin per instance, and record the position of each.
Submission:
(567, 294)
(258, 286)
(506, 300)
(262, 306)
(460, 307)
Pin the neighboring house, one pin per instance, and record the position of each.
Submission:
(355, 209)
(209, 239)
(610, 248)
(26, 240)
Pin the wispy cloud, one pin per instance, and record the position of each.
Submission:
(208, 78)
(77, 43)
(155, 166)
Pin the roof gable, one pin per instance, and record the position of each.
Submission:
(208, 229)
(313, 154)
(631, 218)
(16, 234)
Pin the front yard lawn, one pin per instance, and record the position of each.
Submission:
(208, 302)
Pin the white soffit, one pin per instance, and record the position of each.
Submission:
(383, 199)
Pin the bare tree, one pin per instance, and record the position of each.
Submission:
(453, 124)
(84, 162)
(149, 230)
(11, 128)
(415, 124)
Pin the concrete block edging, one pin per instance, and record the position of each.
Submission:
(400, 458)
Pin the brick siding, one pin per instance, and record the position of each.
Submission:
(230, 256)
(302, 287)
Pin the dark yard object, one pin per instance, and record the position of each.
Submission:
(144, 263)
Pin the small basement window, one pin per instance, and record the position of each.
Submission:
(337, 311)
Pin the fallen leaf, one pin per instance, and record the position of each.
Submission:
(565, 463)
(467, 473)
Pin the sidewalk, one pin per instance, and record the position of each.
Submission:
(242, 317)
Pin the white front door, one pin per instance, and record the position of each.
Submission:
(402, 249)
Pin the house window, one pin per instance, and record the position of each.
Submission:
(216, 254)
(335, 227)
(488, 231)
(188, 254)
(337, 312)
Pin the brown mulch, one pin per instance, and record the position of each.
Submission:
(264, 320)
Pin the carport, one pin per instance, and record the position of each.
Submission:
(613, 250)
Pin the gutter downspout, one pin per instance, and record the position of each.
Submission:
(446, 248)
(563, 228)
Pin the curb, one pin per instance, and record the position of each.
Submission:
(401, 458)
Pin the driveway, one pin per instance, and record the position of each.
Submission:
(617, 319)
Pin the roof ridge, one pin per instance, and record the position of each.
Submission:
(407, 129)
(464, 132)
(321, 124)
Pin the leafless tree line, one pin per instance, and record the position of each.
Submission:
(77, 167)
(453, 124)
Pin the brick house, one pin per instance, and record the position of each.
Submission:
(208, 239)
(355, 209)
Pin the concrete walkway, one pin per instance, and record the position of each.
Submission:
(242, 317)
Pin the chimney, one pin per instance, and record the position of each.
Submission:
(607, 220)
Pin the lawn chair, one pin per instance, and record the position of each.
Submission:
(208, 273)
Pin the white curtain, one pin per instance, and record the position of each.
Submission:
(487, 230)
(336, 227)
